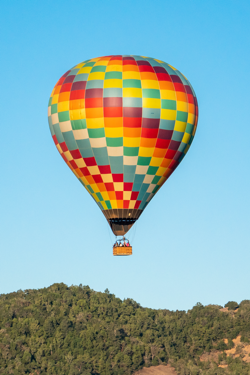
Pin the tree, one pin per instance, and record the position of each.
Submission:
(231, 305)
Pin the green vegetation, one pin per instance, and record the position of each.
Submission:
(232, 305)
(75, 330)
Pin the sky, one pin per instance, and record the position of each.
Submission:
(192, 242)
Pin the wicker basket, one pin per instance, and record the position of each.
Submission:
(122, 250)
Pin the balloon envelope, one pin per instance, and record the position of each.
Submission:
(122, 124)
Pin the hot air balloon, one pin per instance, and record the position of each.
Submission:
(122, 124)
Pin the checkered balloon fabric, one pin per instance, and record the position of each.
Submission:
(122, 124)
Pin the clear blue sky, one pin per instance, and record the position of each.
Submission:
(192, 242)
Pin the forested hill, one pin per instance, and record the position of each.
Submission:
(75, 330)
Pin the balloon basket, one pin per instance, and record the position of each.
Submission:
(122, 250)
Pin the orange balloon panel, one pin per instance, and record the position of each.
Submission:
(122, 124)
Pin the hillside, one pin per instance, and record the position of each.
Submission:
(75, 330)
